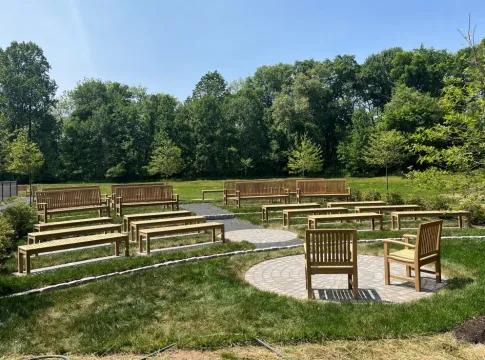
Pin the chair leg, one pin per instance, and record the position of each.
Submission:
(309, 285)
(417, 278)
(355, 283)
(438, 270)
(387, 269)
(408, 271)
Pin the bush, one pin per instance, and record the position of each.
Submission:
(415, 200)
(21, 217)
(6, 233)
(476, 209)
(356, 195)
(395, 198)
(437, 203)
(371, 195)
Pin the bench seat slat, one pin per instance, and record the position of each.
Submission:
(162, 230)
(81, 241)
(70, 223)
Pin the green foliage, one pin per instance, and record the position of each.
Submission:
(476, 208)
(371, 195)
(395, 198)
(438, 202)
(351, 152)
(457, 145)
(24, 155)
(6, 233)
(305, 157)
(166, 160)
(21, 217)
(409, 110)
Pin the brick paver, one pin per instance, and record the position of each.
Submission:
(286, 276)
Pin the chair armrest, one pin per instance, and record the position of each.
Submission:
(41, 206)
(409, 236)
(402, 243)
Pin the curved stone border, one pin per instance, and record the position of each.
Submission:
(286, 276)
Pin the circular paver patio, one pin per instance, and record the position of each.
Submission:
(264, 237)
(286, 276)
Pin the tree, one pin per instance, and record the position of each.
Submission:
(166, 160)
(457, 146)
(387, 149)
(27, 96)
(305, 157)
(25, 156)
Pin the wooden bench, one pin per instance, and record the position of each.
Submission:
(290, 183)
(315, 219)
(144, 195)
(174, 230)
(37, 237)
(389, 208)
(33, 249)
(329, 188)
(287, 214)
(265, 209)
(114, 188)
(354, 204)
(210, 192)
(71, 223)
(397, 216)
(127, 219)
(261, 190)
(136, 226)
(52, 202)
(229, 188)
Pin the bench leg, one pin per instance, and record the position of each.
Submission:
(21, 262)
(148, 244)
(127, 246)
(372, 224)
(117, 248)
(27, 263)
(223, 236)
(213, 235)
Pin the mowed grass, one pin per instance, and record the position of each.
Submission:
(209, 305)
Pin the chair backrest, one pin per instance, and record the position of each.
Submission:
(290, 183)
(145, 193)
(428, 239)
(327, 186)
(116, 186)
(260, 187)
(331, 246)
(61, 199)
(21, 188)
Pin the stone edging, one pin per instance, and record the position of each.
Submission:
(87, 280)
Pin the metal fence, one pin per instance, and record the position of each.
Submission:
(8, 189)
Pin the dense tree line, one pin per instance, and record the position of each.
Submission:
(105, 130)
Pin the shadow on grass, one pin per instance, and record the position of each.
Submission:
(457, 283)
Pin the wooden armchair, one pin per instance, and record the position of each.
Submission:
(331, 252)
(426, 251)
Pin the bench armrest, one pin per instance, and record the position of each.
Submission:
(41, 206)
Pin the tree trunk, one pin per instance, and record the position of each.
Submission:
(387, 182)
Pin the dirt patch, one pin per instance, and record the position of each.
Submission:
(472, 331)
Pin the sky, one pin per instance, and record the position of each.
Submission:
(167, 46)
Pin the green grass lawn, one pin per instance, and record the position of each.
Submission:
(209, 305)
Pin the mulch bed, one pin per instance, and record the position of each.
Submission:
(472, 331)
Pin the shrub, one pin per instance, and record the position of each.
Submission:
(371, 195)
(356, 195)
(437, 203)
(415, 200)
(21, 217)
(6, 233)
(476, 209)
(395, 198)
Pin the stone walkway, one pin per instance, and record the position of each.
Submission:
(240, 230)
(286, 276)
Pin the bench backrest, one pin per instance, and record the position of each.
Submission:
(60, 188)
(328, 186)
(261, 188)
(145, 193)
(331, 247)
(290, 183)
(61, 199)
(118, 186)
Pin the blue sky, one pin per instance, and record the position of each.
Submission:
(166, 46)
